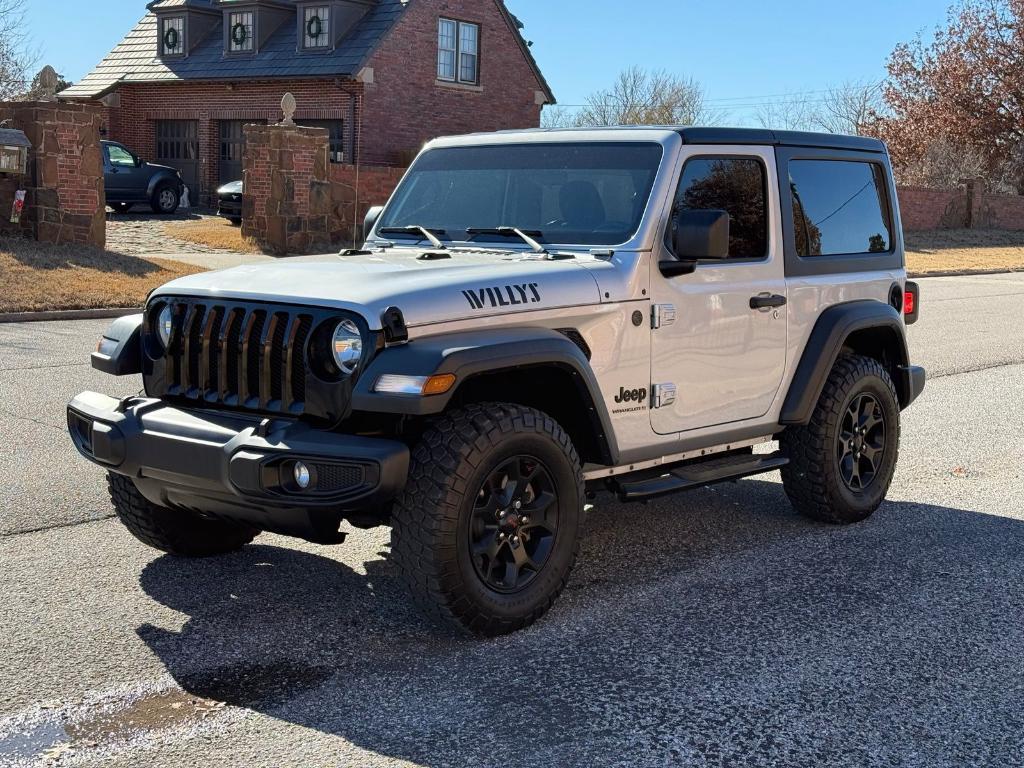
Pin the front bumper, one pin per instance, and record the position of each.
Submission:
(237, 466)
(229, 208)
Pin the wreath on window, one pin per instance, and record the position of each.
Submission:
(314, 27)
(239, 34)
(171, 39)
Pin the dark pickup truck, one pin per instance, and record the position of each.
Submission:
(130, 180)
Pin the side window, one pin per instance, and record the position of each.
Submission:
(119, 156)
(839, 207)
(736, 185)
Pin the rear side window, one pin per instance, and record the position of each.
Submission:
(839, 207)
(736, 185)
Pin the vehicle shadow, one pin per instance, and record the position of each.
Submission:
(715, 628)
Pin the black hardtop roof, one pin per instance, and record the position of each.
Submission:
(724, 136)
(780, 138)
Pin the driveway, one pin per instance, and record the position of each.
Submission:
(715, 628)
(143, 234)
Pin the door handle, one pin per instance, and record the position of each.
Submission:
(767, 301)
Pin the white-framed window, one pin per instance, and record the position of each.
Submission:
(172, 36)
(241, 32)
(458, 52)
(316, 27)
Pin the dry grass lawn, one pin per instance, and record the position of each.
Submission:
(212, 232)
(964, 249)
(37, 277)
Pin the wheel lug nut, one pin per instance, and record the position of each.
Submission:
(501, 536)
(525, 520)
(519, 505)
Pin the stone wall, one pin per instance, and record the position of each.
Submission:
(65, 201)
(295, 201)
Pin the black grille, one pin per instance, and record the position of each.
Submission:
(332, 478)
(239, 356)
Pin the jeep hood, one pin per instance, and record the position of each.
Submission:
(470, 284)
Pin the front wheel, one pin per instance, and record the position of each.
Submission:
(165, 200)
(487, 531)
(177, 532)
(842, 462)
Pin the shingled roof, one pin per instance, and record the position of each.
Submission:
(136, 60)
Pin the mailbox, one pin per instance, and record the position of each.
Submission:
(14, 147)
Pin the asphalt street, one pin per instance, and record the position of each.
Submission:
(712, 629)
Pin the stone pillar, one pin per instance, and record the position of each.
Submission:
(975, 202)
(65, 201)
(286, 206)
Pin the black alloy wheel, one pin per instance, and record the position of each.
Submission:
(514, 524)
(861, 442)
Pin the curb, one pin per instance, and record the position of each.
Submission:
(963, 273)
(70, 314)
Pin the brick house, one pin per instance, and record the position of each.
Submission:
(382, 76)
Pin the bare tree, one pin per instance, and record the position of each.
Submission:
(793, 112)
(641, 97)
(17, 54)
(849, 108)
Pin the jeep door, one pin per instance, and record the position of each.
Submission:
(725, 350)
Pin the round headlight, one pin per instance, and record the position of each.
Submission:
(347, 346)
(164, 323)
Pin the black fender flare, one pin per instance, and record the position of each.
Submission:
(120, 349)
(157, 180)
(467, 354)
(830, 334)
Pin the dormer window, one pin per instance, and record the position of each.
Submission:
(241, 32)
(172, 36)
(316, 27)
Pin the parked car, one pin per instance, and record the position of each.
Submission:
(536, 317)
(130, 180)
(229, 202)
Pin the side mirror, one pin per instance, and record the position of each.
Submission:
(371, 219)
(696, 236)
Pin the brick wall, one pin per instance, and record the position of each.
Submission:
(295, 201)
(969, 206)
(65, 201)
(406, 105)
(922, 208)
(137, 108)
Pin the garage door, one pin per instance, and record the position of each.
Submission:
(232, 148)
(177, 145)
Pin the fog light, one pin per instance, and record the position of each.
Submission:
(302, 475)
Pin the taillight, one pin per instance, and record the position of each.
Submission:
(911, 302)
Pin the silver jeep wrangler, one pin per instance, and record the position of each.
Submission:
(535, 317)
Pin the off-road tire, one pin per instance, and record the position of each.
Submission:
(162, 200)
(177, 532)
(431, 535)
(813, 479)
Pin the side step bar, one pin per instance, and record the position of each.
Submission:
(700, 474)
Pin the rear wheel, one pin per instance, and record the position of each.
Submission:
(842, 462)
(165, 199)
(177, 532)
(487, 530)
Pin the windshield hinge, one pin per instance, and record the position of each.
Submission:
(662, 315)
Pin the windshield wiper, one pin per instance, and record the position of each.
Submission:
(412, 229)
(526, 235)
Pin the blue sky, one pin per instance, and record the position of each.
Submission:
(743, 52)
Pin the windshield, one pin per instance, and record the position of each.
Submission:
(578, 194)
